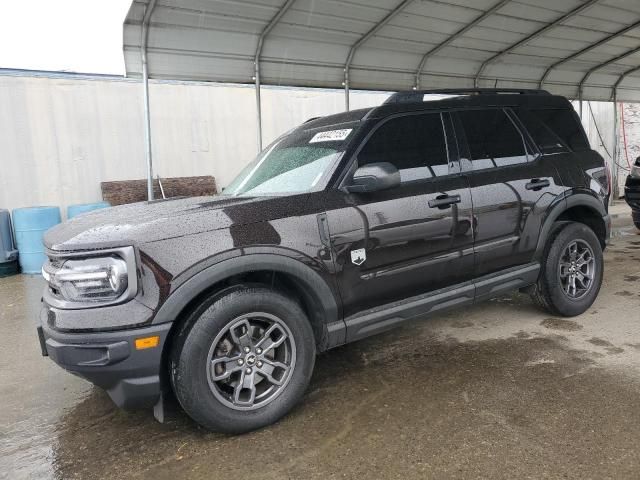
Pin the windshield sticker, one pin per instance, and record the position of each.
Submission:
(331, 136)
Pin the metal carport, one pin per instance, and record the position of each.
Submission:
(586, 49)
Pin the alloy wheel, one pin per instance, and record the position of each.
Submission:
(577, 269)
(251, 360)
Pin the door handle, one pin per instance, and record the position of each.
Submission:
(444, 201)
(537, 184)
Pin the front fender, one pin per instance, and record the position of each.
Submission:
(321, 298)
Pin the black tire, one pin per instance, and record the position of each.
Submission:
(190, 373)
(549, 292)
(637, 224)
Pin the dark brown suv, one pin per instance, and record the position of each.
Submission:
(345, 227)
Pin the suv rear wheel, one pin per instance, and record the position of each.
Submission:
(572, 269)
(242, 359)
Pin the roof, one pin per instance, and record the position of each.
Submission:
(395, 44)
(415, 101)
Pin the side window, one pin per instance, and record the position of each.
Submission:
(493, 139)
(415, 144)
(566, 125)
(542, 135)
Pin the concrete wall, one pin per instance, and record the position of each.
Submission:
(60, 136)
(632, 130)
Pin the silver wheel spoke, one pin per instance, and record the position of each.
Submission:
(230, 365)
(269, 367)
(244, 338)
(267, 343)
(245, 385)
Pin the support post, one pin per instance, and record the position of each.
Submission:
(258, 104)
(346, 88)
(145, 97)
(614, 164)
(362, 40)
(580, 101)
(256, 62)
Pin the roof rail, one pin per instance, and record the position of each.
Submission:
(412, 96)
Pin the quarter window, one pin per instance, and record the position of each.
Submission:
(566, 125)
(493, 139)
(542, 135)
(414, 144)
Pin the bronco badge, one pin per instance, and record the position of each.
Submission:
(358, 256)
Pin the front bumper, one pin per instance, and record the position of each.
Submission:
(110, 360)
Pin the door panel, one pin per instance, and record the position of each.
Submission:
(511, 185)
(508, 215)
(410, 247)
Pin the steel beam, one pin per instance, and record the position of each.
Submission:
(534, 35)
(362, 40)
(602, 65)
(614, 93)
(587, 49)
(454, 37)
(256, 62)
(145, 95)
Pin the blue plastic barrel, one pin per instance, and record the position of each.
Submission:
(29, 225)
(75, 210)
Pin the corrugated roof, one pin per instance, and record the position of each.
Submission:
(390, 43)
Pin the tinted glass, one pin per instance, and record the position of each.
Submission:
(566, 125)
(493, 139)
(415, 144)
(543, 136)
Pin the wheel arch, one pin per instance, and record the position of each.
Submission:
(281, 272)
(579, 207)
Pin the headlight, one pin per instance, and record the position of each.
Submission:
(96, 280)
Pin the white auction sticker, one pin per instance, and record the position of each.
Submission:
(331, 136)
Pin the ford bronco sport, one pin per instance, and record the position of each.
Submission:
(344, 227)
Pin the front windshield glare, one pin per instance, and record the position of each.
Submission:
(295, 163)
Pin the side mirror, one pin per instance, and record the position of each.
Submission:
(374, 177)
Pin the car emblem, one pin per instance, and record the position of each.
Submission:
(358, 256)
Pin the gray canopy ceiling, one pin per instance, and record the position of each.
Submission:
(395, 44)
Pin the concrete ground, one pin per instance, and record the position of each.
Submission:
(500, 390)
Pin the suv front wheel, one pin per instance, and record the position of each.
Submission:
(572, 270)
(242, 359)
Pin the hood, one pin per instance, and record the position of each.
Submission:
(146, 222)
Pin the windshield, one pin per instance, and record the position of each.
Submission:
(295, 163)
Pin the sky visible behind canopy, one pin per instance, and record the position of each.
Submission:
(63, 35)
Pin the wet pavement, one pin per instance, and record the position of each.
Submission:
(500, 390)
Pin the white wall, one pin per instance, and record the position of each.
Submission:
(60, 137)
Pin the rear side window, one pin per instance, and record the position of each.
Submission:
(414, 144)
(543, 136)
(492, 138)
(566, 125)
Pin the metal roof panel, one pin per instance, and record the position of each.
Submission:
(216, 40)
